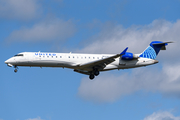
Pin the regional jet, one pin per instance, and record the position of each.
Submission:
(89, 64)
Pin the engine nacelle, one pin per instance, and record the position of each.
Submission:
(128, 56)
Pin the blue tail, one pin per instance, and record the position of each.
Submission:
(153, 49)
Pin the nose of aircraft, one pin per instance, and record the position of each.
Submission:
(6, 61)
(10, 60)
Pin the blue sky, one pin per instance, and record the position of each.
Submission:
(96, 26)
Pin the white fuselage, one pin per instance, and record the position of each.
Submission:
(89, 64)
(73, 60)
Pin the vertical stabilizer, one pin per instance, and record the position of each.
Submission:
(153, 49)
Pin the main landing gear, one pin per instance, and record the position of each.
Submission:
(16, 69)
(96, 73)
(93, 74)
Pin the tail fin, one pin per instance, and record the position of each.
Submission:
(153, 49)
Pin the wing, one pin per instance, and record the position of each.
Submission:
(98, 64)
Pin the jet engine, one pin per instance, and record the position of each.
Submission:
(129, 56)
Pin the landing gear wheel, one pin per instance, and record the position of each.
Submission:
(15, 70)
(91, 76)
(96, 73)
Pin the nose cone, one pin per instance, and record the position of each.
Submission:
(10, 60)
(7, 61)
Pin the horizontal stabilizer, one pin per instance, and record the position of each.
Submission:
(163, 43)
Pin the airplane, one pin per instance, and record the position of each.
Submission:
(89, 64)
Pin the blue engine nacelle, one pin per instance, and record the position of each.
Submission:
(128, 56)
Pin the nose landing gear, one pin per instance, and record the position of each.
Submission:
(16, 69)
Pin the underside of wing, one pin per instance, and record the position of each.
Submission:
(82, 71)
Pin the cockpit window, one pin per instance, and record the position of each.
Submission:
(18, 55)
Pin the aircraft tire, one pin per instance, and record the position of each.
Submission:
(91, 76)
(96, 73)
(15, 70)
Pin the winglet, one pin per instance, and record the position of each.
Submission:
(124, 51)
